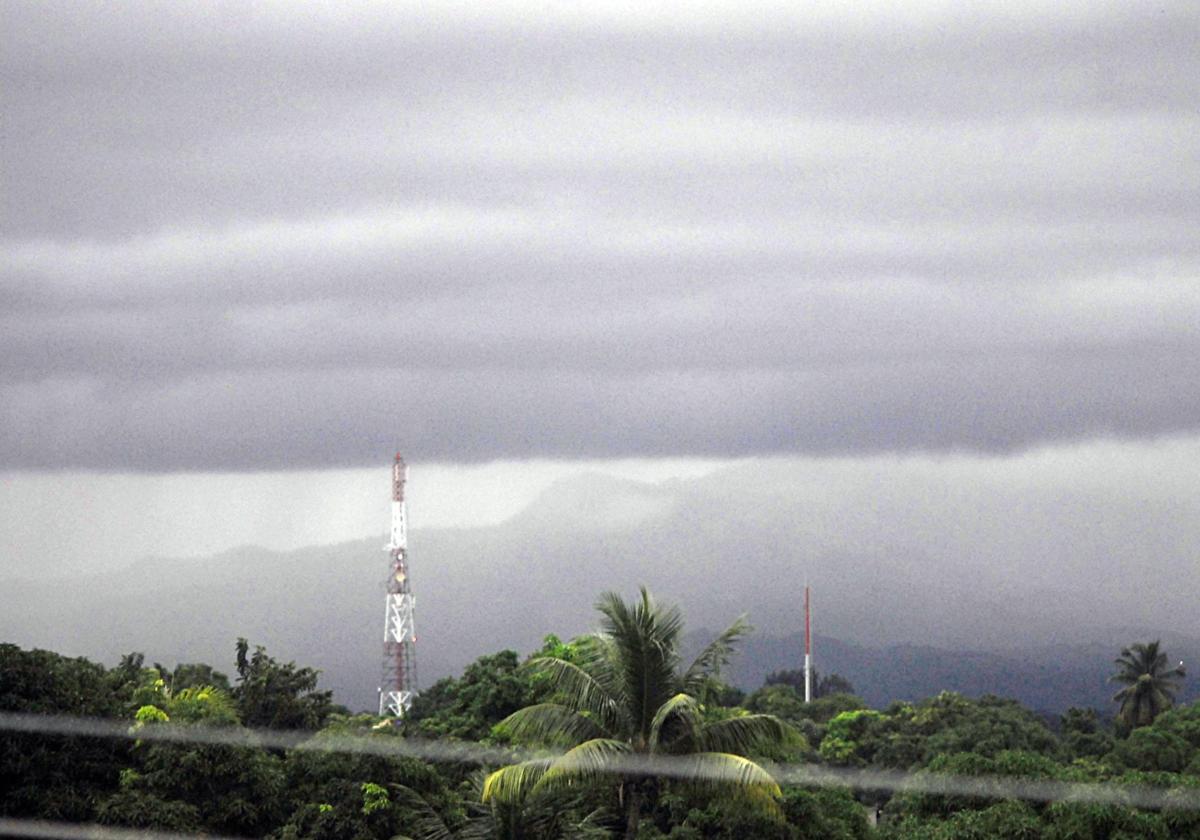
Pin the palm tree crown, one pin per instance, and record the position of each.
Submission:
(627, 699)
(1149, 686)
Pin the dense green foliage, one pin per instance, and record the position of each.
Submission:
(490, 689)
(278, 696)
(52, 777)
(623, 696)
(638, 699)
(823, 685)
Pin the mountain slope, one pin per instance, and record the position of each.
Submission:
(902, 566)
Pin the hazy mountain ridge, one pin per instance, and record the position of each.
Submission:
(1047, 678)
(739, 541)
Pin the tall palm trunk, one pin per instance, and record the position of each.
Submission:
(633, 809)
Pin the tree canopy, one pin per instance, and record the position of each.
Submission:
(597, 704)
(1149, 683)
(628, 695)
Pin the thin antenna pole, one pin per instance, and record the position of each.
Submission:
(807, 646)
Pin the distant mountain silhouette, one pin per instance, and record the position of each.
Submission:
(917, 612)
(1049, 679)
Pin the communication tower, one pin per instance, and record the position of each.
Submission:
(399, 635)
(808, 671)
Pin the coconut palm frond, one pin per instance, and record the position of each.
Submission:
(1130, 656)
(725, 769)
(625, 681)
(597, 825)
(478, 829)
(597, 655)
(646, 635)
(722, 773)
(1149, 687)
(510, 785)
(428, 824)
(679, 718)
(430, 827)
(582, 765)
(551, 723)
(1124, 677)
(580, 691)
(741, 734)
(715, 656)
(659, 625)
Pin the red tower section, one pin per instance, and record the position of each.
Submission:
(399, 684)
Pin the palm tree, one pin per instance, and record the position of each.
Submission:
(499, 821)
(1149, 687)
(625, 704)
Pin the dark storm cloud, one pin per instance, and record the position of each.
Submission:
(243, 239)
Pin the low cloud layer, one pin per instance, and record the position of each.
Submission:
(1089, 543)
(255, 239)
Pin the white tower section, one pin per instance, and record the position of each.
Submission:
(808, 671)
(399, 683)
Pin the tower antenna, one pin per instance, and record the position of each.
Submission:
(399, 683)
(807, 647)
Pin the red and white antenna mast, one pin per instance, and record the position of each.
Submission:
(399, 683)
(807, 647)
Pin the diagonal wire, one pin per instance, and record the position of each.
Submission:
(989, 787)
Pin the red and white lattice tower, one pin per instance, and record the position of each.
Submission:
(399, 683)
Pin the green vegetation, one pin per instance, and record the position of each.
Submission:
(624, 696)
(597, 705)
(1149, 685)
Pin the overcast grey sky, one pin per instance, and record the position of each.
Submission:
(249, 250)
(273, 236)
